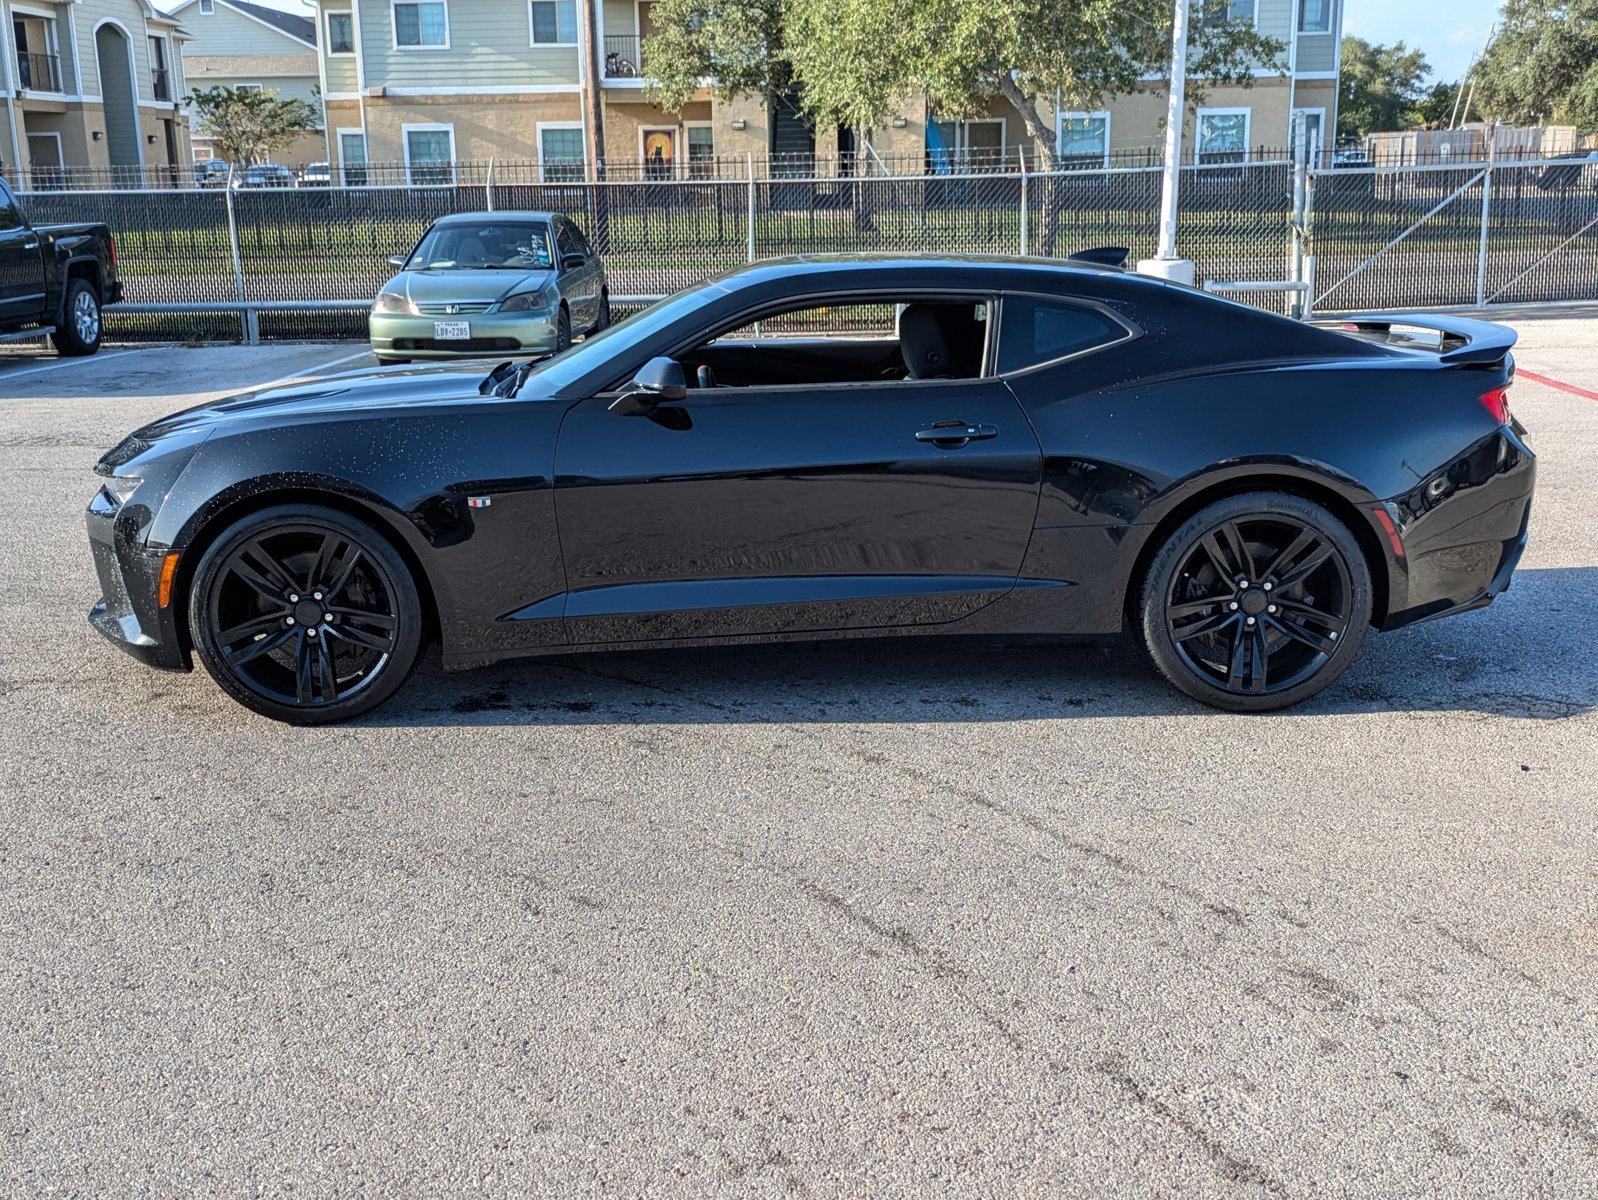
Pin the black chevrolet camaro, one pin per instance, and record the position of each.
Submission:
(836, 447)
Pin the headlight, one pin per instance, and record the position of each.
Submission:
(120, 489)
(392, 302)
(525, 302)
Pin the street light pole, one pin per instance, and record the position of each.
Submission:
(1165, 264)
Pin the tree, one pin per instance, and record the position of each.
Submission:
(1435, 108)
(854, 62)
(1542, 67)
(1380, 86)
(247, 124)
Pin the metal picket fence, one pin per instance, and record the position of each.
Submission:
(225, 263)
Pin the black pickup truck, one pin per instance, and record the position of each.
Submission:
(54, 279)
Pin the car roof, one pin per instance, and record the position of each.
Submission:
(966, 268)
(512, 214)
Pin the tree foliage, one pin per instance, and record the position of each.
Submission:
(855, 62)
(1382, 87)
(1542, 67)
(248, 124)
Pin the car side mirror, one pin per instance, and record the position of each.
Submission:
(571, 262)
(660, 380)
(398, 261)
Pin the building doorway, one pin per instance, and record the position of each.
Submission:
(114, 53)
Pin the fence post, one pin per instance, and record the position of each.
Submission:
(1486, 214)
(488, 184)
(751, 216)
(1295, 303)
(251, 330)
(1020, 153)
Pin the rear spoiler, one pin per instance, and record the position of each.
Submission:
(1102, 256)
(1458, 341)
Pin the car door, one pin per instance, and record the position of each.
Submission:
(576, 282)
(21, 264)
(782, 509)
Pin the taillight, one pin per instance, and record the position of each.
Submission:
(111, 248)
(1496, 402)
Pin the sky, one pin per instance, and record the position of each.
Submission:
(1449, 31)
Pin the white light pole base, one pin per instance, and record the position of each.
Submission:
(1177, 270)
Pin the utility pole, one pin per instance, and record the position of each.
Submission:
(1165, 264)
(593, 92)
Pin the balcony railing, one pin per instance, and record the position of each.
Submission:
(39, 72)
(161, 83)
(624, 56)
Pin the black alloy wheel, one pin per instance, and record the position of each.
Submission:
(563, 330)
(1257, 602)
(305, 615)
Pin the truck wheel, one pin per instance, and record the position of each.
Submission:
(78, 332)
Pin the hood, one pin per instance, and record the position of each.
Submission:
(356, 391)
(461, 285)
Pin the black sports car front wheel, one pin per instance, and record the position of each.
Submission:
(305, 615)
(1256, 602)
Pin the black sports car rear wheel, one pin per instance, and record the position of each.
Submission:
(1257, 602)
(305, 615)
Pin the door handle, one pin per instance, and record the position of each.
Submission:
(955, 433)
(30, 245)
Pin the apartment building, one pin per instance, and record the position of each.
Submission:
(423, 82)
(234, 43)
(90, 83)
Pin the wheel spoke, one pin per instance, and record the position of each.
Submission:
(359, 637)
(1228, 553)
(303, 683)
(344, 572)
(326, 555)
(1212, 624)
(255, 649)
(1234, 675)
(1261, 653)
(269, 590)
(249, 629)
(1306, 565)
(365, 616)
(268, 567)
(1301, 543)
(1308, 636)
(1190, 608)
(327, 677)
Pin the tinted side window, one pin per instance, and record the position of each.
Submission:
(580, 242)
(1036, 331)
(566, 240)
(10, 215)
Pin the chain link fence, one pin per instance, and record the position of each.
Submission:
(308, 260)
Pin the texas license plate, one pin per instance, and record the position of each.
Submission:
(452, 331)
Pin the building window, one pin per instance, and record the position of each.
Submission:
(160, 75)
(430, 153)
(421, 24)
(207, 7)
(560, 153)
(249, 87)
(1222, 135)
(38, 53)
(340, 33)
(701, 151)
(554, 22)
(1315, 16)
(352, 156)
(1084, 140)
(1227, 12)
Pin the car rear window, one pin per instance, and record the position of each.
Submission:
(1038, 331)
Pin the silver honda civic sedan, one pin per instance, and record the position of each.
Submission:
(509, 283)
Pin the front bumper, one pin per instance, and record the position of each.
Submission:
(128, 613)
(401, 335)
(1463, 530)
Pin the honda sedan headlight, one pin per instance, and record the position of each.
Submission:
(526, 302)
(392, 302)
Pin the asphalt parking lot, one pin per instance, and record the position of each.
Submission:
(886, 920)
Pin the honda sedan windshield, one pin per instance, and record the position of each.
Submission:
(490, 245)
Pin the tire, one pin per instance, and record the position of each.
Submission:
(1296, 585)
(79, 330)
(563, 330)
(602, 318)
(328, 656)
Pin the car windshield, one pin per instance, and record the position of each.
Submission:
(491, 245)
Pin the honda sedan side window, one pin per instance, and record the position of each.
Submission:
(1033, 331)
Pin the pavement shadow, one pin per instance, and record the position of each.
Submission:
(1527, 656)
